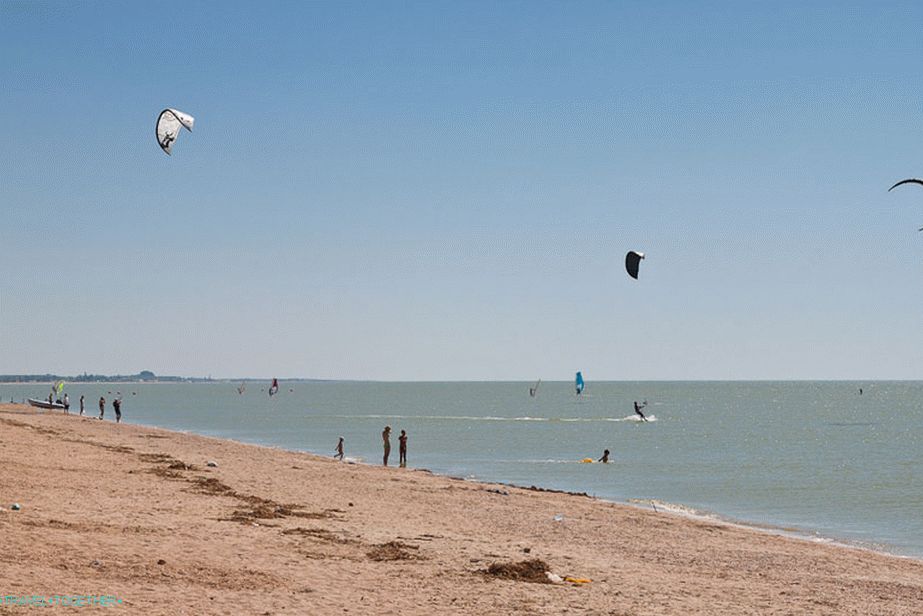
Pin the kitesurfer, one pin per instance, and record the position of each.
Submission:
(386, 438)
(605, 458)
(638, 410)
(402, 448)
(339, 450)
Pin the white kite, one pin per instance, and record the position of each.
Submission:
(168, 124)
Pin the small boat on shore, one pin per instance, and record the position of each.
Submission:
(45, 404)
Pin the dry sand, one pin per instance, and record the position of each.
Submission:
(135, 513)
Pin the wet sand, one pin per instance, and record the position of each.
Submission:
(135, 514)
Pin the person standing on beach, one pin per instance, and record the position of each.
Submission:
(386, 437)
(81, 405)
(402, 448)
(339, 450)
(605, 458)
(117, 407)
(102, 406)
(67, 405)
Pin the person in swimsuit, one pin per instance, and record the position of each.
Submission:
(339, 450)
(402, 449)
(102, 406)
(81, 405)
(117, 405)
(386, 438)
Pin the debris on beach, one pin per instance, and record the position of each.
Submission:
(554, 578)
(498, 491)
(211, 463)
(558, 518)
(534, 571)
(15, 507)
(393, 550)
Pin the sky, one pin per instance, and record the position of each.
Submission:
(447, 190)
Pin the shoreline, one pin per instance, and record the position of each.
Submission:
(678, 509)
(808, 535)
(134, 512)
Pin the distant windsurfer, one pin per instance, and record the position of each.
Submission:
(386, 438)
(638, 410)
(402, 448)
(339, 450)
(605, 458)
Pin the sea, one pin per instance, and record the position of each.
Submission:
(819, 460)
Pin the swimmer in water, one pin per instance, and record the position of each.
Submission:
(605, 458)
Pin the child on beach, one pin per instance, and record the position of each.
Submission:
(402, 448)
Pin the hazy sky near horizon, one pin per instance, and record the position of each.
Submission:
(446, 191)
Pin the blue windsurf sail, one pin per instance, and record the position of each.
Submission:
(579, 385)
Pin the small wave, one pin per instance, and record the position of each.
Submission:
(548, 461)
(635, 418)
(671, 507)
(487, 418)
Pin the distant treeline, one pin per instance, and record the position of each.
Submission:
(144, 375)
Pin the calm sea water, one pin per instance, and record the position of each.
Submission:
(815, 458)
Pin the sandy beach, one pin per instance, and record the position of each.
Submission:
(136, 514)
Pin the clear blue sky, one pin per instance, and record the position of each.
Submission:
(446, 190)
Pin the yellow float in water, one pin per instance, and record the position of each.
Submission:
(586, 461)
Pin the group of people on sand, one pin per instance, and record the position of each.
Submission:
(116, 406)
(386, 442)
